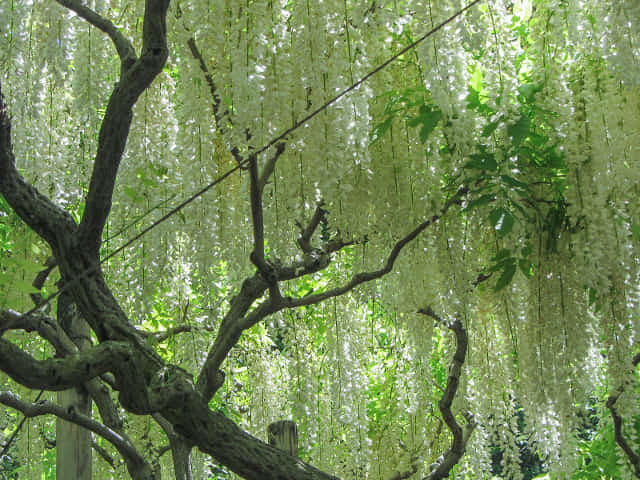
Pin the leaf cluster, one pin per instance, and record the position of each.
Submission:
(516, 177)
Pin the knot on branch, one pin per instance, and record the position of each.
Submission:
(268, 269)
(315, 260)
(319, 217)
(169, 388)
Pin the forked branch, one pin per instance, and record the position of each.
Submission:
(304, 240)
(57, 374)
(460, 436)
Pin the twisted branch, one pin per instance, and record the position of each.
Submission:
(460, 437)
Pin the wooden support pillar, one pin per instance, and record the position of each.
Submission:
(73, 443)
(283, 435)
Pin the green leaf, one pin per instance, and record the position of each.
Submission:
(17, 284)
(475, 82)
(635, 232)
(491, 127)
(519, 130)
(380, 129)
(429, 125)
(526, 267)
(556, 160)
(473, 99)
(149, 182)
(537, 139)
(479, 202)
(507, 275)
(482, 161)
(529, 90)
(502, 255)
(428, 117)
(509, 180)
(502, 220)
(132, 193)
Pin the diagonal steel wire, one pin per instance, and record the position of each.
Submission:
(268, 145)
(240, 165)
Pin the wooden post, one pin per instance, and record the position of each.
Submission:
(73, 443)
(283, 435)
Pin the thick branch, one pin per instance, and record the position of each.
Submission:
(61, 373)
(51, 331)
(124, 447)
(460, 437)
(123, 45)
(180, 449)
(231, 328)
(46, 327)
(117, 120)
(245, 455)
(212, 378)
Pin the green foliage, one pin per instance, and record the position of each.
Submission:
(10, 468)
(599, 457)
(517, 178)
(516, 175)
(21, 258)
(402, 105)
